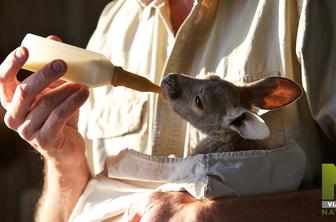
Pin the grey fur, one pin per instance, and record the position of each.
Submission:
(222, 110)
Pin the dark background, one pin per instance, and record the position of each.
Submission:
(20, 166)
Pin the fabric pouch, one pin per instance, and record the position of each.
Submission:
(131, 175)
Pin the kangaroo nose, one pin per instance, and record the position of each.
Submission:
(170, 82)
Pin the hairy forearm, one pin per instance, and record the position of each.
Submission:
(62, 189)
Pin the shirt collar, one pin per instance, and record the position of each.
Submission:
(145, 3)
(206, 7)
(160, 2)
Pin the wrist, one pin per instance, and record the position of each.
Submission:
(62, 189)
(63, 174)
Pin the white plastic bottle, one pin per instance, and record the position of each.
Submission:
(84, 67)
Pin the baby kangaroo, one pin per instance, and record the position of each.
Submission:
(222, 110)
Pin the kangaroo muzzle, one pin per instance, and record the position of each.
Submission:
(170, 87)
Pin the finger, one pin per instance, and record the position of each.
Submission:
(54, 125)
(52, 86)
(57, 83)
(55, 38)
(27, 91)
(8, 71)
(43, 107)
(135, 218)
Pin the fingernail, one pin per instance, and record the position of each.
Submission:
(82, 94)
(19, 53)
(84, 91)
(57, 66)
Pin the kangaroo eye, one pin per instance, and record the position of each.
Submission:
(199, 103)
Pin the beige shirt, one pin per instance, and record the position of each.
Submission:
(241, 41)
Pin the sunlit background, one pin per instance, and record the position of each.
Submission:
(20, 166)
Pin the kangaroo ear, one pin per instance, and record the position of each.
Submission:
(272, 93)
(249, 126)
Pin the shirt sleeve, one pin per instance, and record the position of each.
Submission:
(316, 51)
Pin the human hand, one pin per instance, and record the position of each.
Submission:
(43, 109)
(180, 206)
(168, 206)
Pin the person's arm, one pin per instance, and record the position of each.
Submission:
(62, 189)
(44, 111)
